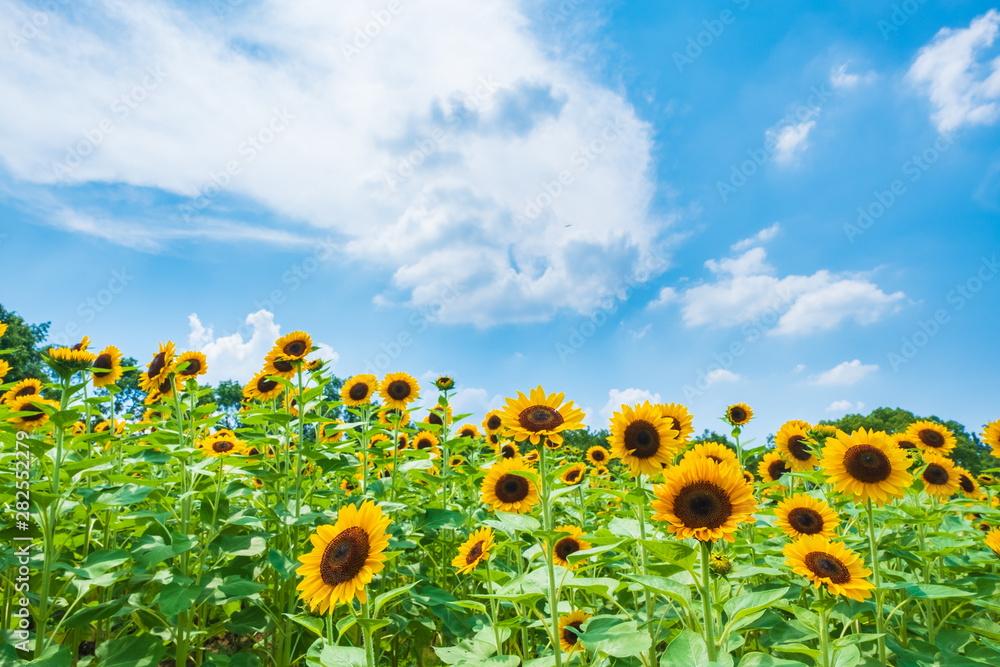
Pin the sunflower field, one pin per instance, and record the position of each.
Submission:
(404, 534)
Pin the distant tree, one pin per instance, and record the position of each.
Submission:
(585, 439)
(331, 392)
(23, 340)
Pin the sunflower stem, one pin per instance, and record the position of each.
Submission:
(366, 630)
(706, 600)
(493, 608)
(549, 550)
(824, 630)
(640, 511)
(879, 621)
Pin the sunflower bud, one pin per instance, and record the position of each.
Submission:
(720, 564)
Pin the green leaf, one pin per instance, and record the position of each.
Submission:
(175, 598)
(248, 621)
(153, 549)
(610, 635)
(314, 624)
(519, 522)
(91, 614)
(282, 564)
(744, 605)
(936, 592)
(241, 545)
(603, 586)
(688, 649)
(132, 651)
(127, 494)
(328, 655)
(663, 586)
(624, 528)
(764, 660)
(847, 657)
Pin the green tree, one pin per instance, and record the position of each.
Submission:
(23, 340)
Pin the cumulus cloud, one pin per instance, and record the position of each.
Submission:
(641, 333)
(667, 295)
(962, 89)
(449, 148)
(840, 78)
(619, 397)
(791, 140)
(746, 290)
(476, 400)
(845, 406)
(722, 375)
(763, 236)
(846, 373)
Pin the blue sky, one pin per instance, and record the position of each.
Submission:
(792, 205)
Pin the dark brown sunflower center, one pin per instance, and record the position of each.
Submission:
(737, 414)
(539, 418)
(966, 483)
(566, 546)
(508, 451)
(194, 367)
(475, 552)
(597, 455)
(435, 418)
(805, 520)
(703, 505)
(572, 475)
(906, 444)
(494, 438)
(423, 443)
(570, 637)
(344, 557)
(776, 469)
(717, 459)
(222, 446)
(280, 365)
(827, 567)
(931, 438)
(164, 387)
(77, 347)
(935, 474)
(253, 451)
(641, 439)
(30, 390)
(156, 365)
(867, 464)
(102, 362)
(493, 423)
(675, 424)
(798, 447)
(511, 488)
(466, 433)
(264, 385)
(399, 390)
(358, 391)
(36, 412)
(295, 348)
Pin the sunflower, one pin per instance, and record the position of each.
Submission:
(427, 440)
(314, 364)
(457, 460)
(391, 417)
(68, 360)
(398, 390)
(599, 456)
(552, 444)
(679, 419)
(713, 450)
(4, 369)
(222, 443)
(720, 564)
(531, 457)
(380, 441)
(827, 430)
(196, 366)
(444, 383)
(402, 441)
(739, 414)
(830, 563)
(574, 474)
(473, 551)
(939, 476)
(328, 431)
(159, 368)
(276, 365)
(358, 390)
(931, 437)
(344, 559)
(105, 425)
(600, 472)
(991, 436)
(508, 450)
(493, 421)
(435, 416)
(642, 438)
(3, 329)
(567, 636)
(748, 476)
(968, 484)
(468, 430)
(293, 346)
(540, 415)
(792, 442)
(703, 500)
(568, 545)
(263, 388)
(772, 467)
(986, 480)
(804, 425)
(803, 515)
(866, 464)
(26, 387)
(350, 484)
(107, 367)
(36, 417)
(992, 540)
(904, 441)
(506, 491)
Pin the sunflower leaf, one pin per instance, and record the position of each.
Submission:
(688, 649)
(387, 597)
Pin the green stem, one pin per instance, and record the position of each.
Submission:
(549, 550)
(879, 621)
(706, 600)
(640, 511)
(493, 608)
(366, 629)
(824, 632)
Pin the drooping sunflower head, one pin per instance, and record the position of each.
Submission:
(469, 430)
(344, 558)
(26, 387)
(504, 490)
(574, 474)
(772, 467)
(991, 436)
(713, 450)
(35, 416)
(107, 368)
(159, 369)
(642, 438)
(277, 365)
(68, 360)
(679, 419)
(803, 515)
(398, 390)
(867, 465)
(703, 500)
(968, 484)
(539, 415)
(263, 388)
(474, 550)
(794, 445)
(567, 545)
(598, 455)
(570, 628)
(358, 390)
(933, 438)
(294, 346)
(939, 476)
(830, 563)
(739, 414)
(444, 383)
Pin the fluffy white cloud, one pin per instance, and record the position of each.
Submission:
(791, 140)
(799, 368)
(667, 295)
(745, 291)
(449, 147)
(840, 78)
(763, 236)
(845, 406)
(722, 375)
(962, 89)
(475, 400)
(846, 373)
(641, 333)
(619, 397)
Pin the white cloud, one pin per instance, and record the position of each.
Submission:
(619, 397)
(418, 149)
(799, 368)
(842, 79)
(845, 406)
(475, 400)
(636, 335)
(845, 373)
(667, 295)
(722, 375)
(791, 140)
(744, 291)
(763, 236)
(962, 90)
